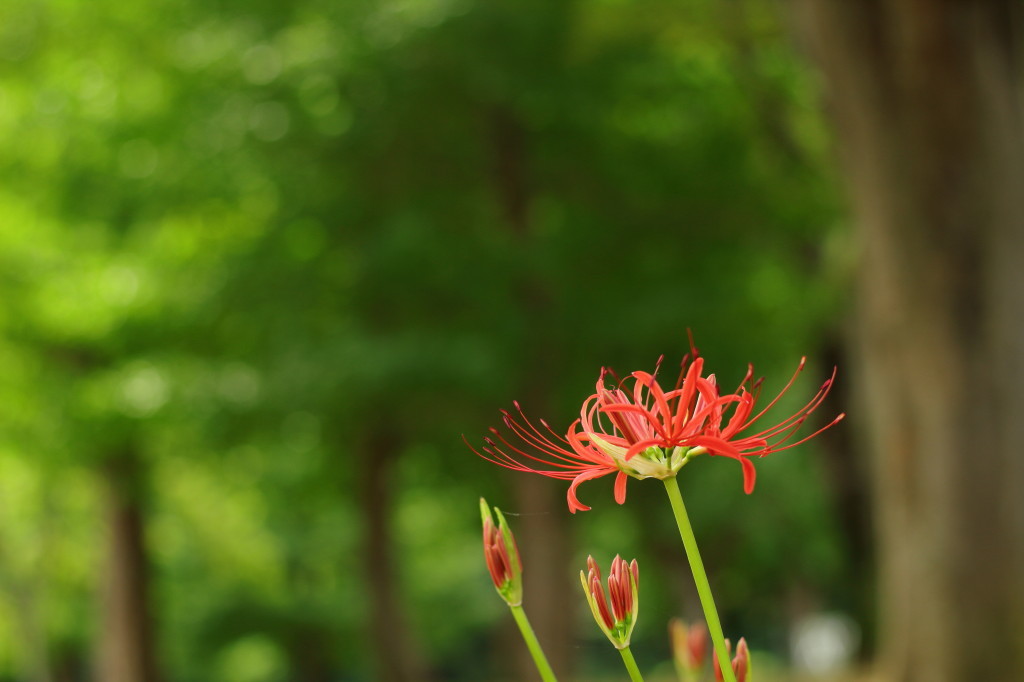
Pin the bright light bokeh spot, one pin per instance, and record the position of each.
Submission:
(143, 391)
(824, 643)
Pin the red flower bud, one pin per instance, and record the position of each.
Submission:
(502, 556)
(618, 621)
(689, 645)
(740, 663)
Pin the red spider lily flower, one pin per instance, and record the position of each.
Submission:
(740, 663)
(623, 582)
(689, 646)
(653, 432)
(502, 556)
(637, 429)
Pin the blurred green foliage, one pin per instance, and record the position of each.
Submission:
(242, 236)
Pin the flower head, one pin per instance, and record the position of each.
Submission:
(740, 663)
(653, 432)
(502, 556)
(635, 428)
(616, 623)
(689, 646)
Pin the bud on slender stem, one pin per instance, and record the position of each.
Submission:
(617, 622)
(506, 569)
(502, 556)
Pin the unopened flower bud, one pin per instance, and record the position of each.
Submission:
(689, 647)
(618, 621)
(502, 556)
(740, 663)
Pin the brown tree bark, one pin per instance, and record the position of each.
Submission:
(926, 98)
(395, 658)
(542, 532)
(125, 646)
(543, 539)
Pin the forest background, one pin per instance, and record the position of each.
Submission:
(263, 263)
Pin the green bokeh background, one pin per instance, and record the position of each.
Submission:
(239, 240)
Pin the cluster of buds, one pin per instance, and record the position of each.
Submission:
(618, 622)
(502, 556)
(689, 648)
(615, 614)
(740, 663)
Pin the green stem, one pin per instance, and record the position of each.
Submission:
(533, 645)
(627, 658)
(700, 577)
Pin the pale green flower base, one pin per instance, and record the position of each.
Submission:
(539, 660)
(707, 601)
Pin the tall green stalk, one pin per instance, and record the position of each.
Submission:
(634, 671)
(707, 601)
(539, 660)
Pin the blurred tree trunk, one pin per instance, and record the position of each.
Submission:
(394, 656)
(126, 652)
(544, 544)
(926, 98)
(542, 533)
